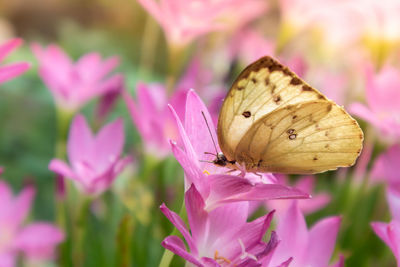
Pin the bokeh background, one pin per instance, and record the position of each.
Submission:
(332, 48)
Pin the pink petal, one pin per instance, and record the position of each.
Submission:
(365, 113)
(322, 239)
(393, 198)
(180, 225)
(22, 204)
(6, 194)
(176, 245)
(80, 141)
(390, 234)
(61, 168)
(191, 153)
(192, 172)
(8, 259)
(8, 46)
(196, 127)
(197, 217)
(11, 71)
(339, 263)
(292, 230)
(108, 144)
(38, 240)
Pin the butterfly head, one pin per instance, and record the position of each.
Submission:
(221, 160)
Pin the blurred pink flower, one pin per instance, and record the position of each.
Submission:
(36, 241)
(151, 117)
(390, 234)
(10, 71)
(95, 160)
(312, 247)
(74, 84)
(305, 184)
(185, 20)
(386, 167)
(383, 102)
(221, 237)
(215, 186)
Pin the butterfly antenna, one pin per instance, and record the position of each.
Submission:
(208, 127)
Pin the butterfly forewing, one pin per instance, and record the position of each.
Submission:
(261, 88)
(272, 121)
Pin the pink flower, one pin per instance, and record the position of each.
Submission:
(215, 186)
(383, 101)
(10, 71)
(312, 247)
(185, 20)
(307, 206)
(95, 160)
(151, 117)
(74, 84)
(36, 241)
(386, 167)
(390, 234)
(221, 237)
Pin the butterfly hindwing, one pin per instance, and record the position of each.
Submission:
(305, 138)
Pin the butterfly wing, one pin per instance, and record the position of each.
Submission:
(305, 138)
(261, 88)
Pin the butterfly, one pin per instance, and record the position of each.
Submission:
(272, 121)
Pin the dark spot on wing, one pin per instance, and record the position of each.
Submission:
(315, 158)
(254, 80)
(294, 117)
(292, 136)
(329, 108)
(327, 145)
(273, 88)
(326, 133)
(259, 163)
(267, 81)
(246, 114)
(290, 131)
(240, 88)
(321, 97)
(277, 99)
(295, 81)
(306, 87)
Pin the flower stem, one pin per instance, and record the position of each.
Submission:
(148, 45)
(79, 232)
(124, 241)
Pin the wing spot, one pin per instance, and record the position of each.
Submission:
(326, 133)
(329, 108)
(361, 136)
(315, 158)
(292, 136)
(240, 88)
(254, 80)
(295, 81)
(327, 145)
(277, 99)
(267, 81)
(294, 117)
(321, 97)
(246, 114)
(290, 131)
(306, 87)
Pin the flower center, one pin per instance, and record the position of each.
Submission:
(220, 259)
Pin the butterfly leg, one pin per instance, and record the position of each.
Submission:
(242, 169)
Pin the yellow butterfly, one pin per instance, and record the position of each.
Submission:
(272, 121)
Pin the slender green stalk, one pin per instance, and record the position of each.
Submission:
(79, 232)
(176, 58)
(148, 45)
(124, 241)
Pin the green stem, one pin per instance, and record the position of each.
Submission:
(79, 232)
(63, 121)
(124, 241)
(176, 58)
(168, 255)
(148, 45)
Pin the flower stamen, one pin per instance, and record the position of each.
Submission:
(217, 257)
(245, 254)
